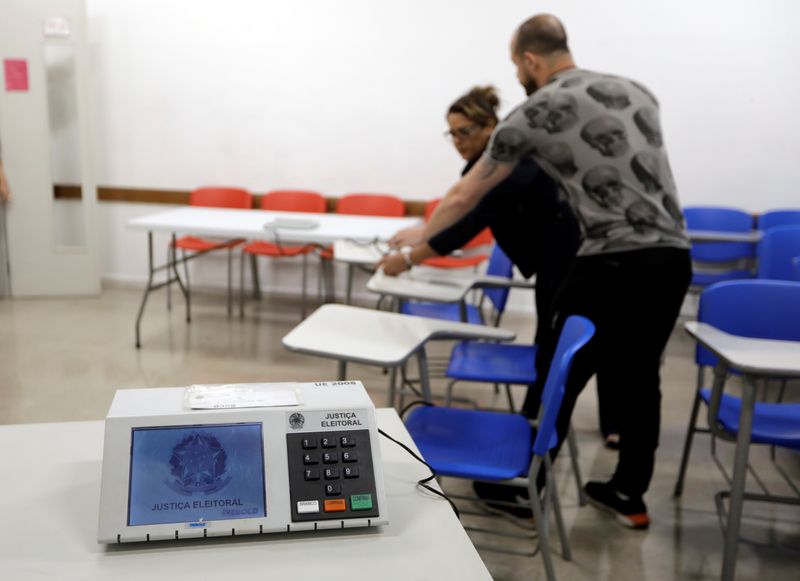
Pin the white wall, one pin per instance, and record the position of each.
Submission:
(350, 95)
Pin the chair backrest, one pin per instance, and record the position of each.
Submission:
(294, 201)
(576, 333)
(722, 220)
(371, 205)
(499, 265)
(773, 218)
(775, 252)
(762, 309)
(483, 238)
(221, 198)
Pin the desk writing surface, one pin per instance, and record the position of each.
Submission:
(755, 356)
(376, 337)
(722, 236)
(49, 497)
(232, 223)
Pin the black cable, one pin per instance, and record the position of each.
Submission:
(424, 482)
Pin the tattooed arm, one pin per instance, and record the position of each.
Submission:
(466, 194)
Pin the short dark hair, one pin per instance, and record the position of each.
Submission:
(542, 34)
(479, 106)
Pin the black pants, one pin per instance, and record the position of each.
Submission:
(633, 299)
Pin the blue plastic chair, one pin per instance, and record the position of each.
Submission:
(775, 218)
(499, 265)
(776, 251)
(496, 447)
(719, 261)
(772, 311)
(507, 364)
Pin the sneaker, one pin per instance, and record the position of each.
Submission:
(629, 511)
(490, 493)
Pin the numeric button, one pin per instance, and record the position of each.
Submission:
(309, 443)
(310, 458)
(328, 442)
(331, 473)
(348, 441)
(349, 456)
(312, 474)
(350, 471)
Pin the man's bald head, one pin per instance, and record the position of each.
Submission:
(542, 35)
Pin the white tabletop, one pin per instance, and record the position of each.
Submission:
(377, 337)
(437, 285)
(225, 222)
(49, 497)
(354, 252)
(721, 236)
(763, 357)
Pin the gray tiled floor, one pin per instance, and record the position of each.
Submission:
(62, 359)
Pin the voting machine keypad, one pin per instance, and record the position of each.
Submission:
(331, 475)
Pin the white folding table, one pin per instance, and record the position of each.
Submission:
(754, 358)
(50, 501)
(228, 223)
(379, 338)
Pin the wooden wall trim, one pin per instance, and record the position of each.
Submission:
(153, 196)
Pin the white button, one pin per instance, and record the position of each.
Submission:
(307, 506)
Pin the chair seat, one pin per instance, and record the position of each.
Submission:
(195, 244)
(270, 249)
(472, 444)
(773, 423)
(455, 261)
(708, 278)
(443, 311)
(493, 363)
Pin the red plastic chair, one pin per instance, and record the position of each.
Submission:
(281, 201)
(371, 205)
(213, 198)
(484, 238)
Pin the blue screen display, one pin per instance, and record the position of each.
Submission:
(191, 474)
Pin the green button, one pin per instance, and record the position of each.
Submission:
(361, 502)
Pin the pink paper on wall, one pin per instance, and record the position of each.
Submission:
(16, 74)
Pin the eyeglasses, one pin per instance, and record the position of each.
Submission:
(461, 132)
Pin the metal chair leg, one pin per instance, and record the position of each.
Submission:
(566, 548)
(690, 431)
(540, 519)
(448, 396)
(256, 283)
(305, 277)
(576, 469)
(230, 281)
(170, 258)
(241, 285)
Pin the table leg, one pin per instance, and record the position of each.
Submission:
(424, 379)
(392, 386)
(342, 370)
(147, 288)
(184, 289)
(733, 523)
(349, 294)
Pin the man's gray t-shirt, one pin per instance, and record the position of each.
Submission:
(599, 138)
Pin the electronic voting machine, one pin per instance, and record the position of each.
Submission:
(240, 459)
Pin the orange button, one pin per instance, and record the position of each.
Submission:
(335, 505)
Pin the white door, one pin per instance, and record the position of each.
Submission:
(44, 136)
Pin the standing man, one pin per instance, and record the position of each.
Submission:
(598, 137)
